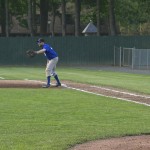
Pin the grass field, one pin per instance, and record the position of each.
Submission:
(55, 119)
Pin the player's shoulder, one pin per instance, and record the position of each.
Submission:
(46, 46)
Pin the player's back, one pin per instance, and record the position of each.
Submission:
(50, 52)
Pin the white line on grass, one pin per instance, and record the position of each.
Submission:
(123, 99)
(2, 78)
(107, 89)
(107, 96)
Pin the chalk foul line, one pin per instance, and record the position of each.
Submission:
(85, 91)
(128, 100)
(116, 91)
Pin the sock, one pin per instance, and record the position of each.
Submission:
(48, 80)
(56, 78)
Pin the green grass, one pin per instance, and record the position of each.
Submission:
(56, 119)
(32, 119)
(133, 82)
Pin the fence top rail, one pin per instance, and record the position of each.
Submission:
(125, 48)
(141, 49)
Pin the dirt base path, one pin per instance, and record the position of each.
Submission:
(123, 143)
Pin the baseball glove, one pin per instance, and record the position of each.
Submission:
(31, 53)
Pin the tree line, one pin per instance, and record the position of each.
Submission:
(120, 16)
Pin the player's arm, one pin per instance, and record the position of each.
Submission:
(41, 51)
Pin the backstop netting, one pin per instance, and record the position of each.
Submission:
(132, 57)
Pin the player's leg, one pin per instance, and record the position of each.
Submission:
(48, 74)
(50, 70)
(57, 79)
(54, 73)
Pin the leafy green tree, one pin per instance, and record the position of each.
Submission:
(19, 9)
(131, 14)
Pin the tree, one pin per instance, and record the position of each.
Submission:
(97, 11)
(3, 17)
(34, 17)
(132, 16)
(53, 6)
(112, 21)
(7, 18)
(77, 17)
(63, 6)
(30, 17)
(98, 17)
(53, 16)
(43, 16)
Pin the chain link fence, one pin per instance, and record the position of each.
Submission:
(132, 57)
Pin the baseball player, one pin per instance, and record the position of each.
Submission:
(52, 59)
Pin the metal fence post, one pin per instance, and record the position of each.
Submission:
(120, 57)
(114, 56)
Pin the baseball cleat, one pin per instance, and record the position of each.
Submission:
(58, 84)
(46, 86)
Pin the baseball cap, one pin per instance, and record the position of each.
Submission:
(40, 40)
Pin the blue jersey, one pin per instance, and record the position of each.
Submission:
(49, 52)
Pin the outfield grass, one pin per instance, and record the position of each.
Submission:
(55, 119)
(133, 82)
